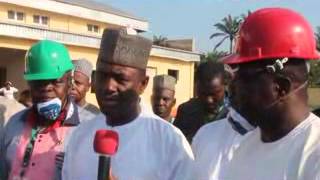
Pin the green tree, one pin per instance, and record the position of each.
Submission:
(159, 40)
(228, 28)
(212, 56)
(314, 78)
(245, 15)
(317, 35)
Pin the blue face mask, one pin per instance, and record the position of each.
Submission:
(50, 110)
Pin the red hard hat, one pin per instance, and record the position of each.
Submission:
(274, 33)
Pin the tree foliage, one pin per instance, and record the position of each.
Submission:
(314, 78)
(317, 35)
(159, 40)
(228, 29)
(213, 56)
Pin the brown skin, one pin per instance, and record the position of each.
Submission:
(235, 100)
(257, 90)
(211, 93)
(45, 90)
(163, 101)
(28, 103)
(80, 88)
(25, 98)
(118, 92)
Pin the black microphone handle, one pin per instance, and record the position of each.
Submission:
(104, 168)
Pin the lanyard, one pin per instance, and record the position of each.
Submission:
(34, 133)
(29, 150)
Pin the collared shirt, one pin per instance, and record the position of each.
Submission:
(149, 148)
(238, 122)
(89, 111)
(214, 143)
(92, 108)
(191, 116)
(17, 134)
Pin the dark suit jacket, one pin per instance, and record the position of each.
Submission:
(191, 116)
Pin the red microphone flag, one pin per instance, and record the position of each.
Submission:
(106, 142)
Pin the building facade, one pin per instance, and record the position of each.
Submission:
(79, 25)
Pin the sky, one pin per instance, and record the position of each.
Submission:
(178, 19)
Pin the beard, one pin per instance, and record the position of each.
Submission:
(262, 116)
(126, 102)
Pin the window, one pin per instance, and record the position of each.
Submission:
(11, 15)
(93, 28)
(173, 73)
(43, 20)
(36, 19)
(15, 15)
(20, 16)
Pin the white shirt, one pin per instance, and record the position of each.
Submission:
(214, 144)
(9, 93)
(149, 149)
(293, 157)
(8, 107)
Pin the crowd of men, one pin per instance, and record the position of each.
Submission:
(249, 120)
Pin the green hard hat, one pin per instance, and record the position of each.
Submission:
(47, 60)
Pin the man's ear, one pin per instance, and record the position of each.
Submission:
(88, 88)
(283, 86)
(174, 102)
(88, 85)
(144, 84)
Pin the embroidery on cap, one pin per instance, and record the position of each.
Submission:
(126, 52)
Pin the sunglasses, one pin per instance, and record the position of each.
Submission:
(55, 82)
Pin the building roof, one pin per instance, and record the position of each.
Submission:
(86, 9)
(178, 54)
(99, 6)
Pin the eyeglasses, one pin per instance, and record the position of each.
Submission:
(55, 82)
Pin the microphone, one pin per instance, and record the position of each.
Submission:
(106, 144)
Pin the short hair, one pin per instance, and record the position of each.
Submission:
(300, 73)
(209, 70)
(297, 70)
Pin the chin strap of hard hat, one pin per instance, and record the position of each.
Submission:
(277, 67)
(291, 92)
